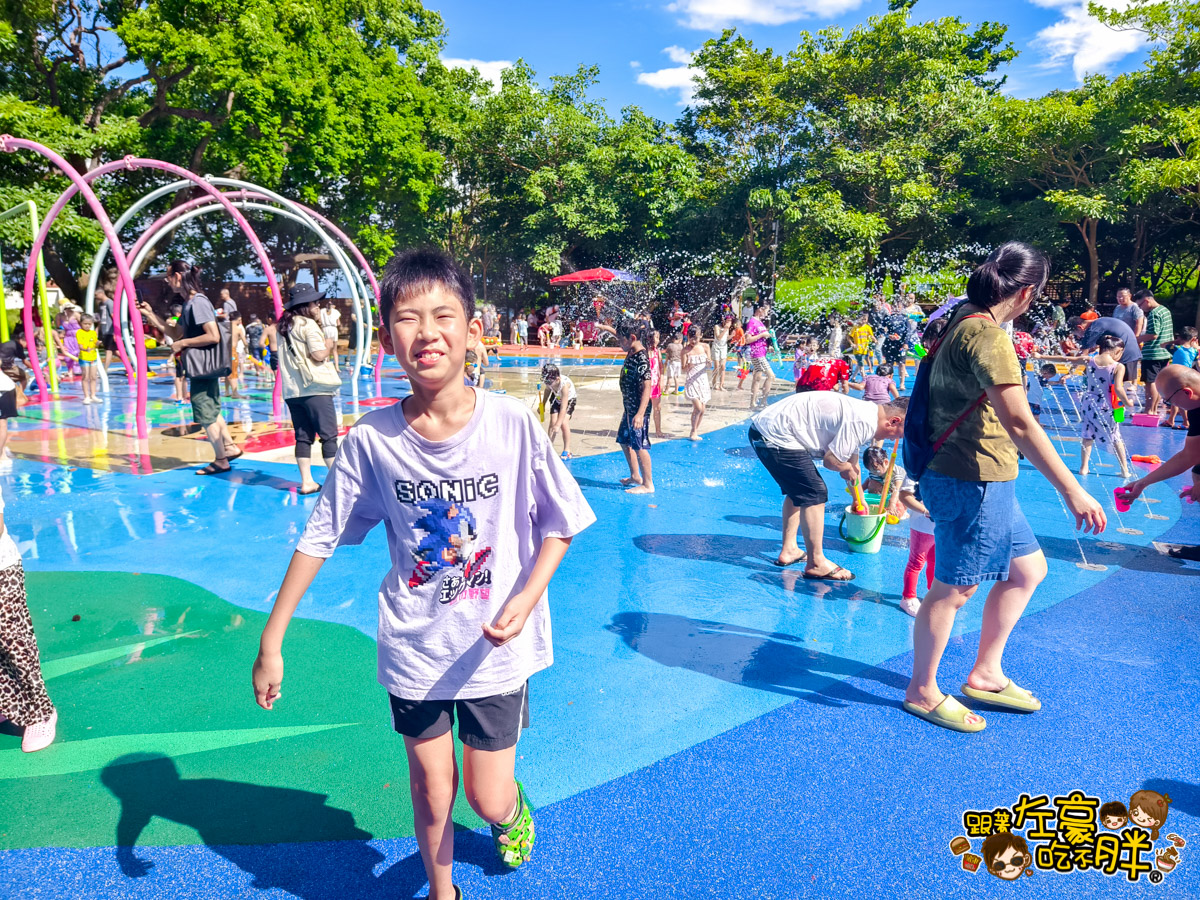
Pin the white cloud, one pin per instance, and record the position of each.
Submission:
(1089, 45)
(676, 78)
(709, 15)
(489, 69)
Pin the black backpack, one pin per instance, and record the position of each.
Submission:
(918, 449)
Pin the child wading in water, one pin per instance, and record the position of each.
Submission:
(921, 551)
(1104, 376)
(633, 434)
(479, 512)
(88, 341)
(560, 391)
(697, 363)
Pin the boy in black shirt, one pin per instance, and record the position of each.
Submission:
(634, 433)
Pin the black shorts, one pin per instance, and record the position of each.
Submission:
(8, 404)
(1151, 368)
(490, 723)
(273, 360)
(634, 438)
(108, 342)
(793, 470)
(312, 417)
(556, 405)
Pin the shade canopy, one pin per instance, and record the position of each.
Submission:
(595, 275)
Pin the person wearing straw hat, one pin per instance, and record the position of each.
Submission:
(789, 433)
(310, 379)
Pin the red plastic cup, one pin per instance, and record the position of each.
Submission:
(1123, 505)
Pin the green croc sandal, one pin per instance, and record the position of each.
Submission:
(514, 841)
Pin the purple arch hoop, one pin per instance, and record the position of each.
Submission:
(10, 144)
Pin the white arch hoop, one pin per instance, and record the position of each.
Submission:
(166, 227)
(364, 326)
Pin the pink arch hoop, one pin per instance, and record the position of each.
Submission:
(10, 144)
(126, 290)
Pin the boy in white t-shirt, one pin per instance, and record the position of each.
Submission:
(479, 513)
(560, 392)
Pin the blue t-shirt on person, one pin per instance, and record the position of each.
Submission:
(1118, 329)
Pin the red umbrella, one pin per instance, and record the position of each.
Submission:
(595, 275)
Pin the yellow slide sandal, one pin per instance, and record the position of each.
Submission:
(949, 714)
(1012, 697)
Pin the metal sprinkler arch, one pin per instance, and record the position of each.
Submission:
(365, 326)
(202, 206)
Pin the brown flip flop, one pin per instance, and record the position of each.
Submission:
(828, 576)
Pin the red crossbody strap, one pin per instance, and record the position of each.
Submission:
(974, 406)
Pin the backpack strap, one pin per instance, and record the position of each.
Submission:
(937, 445)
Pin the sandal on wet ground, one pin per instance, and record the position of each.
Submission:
(213, 469)
(1012, 697)
(304, 492)
(833, 574)
(803, 557)
(949, 714)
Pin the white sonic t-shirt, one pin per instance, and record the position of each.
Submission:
(466, 518)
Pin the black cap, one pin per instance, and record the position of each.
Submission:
(303, 294)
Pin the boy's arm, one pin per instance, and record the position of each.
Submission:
(267, 674)
(892, 389)
(647, 388)
(516, 611)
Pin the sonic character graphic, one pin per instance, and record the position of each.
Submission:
(447, 540)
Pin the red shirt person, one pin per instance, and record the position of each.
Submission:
(825, 373)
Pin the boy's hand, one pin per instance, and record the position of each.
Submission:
(267, 676)
(508, 624)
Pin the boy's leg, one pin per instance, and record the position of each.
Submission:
(647, 485)
(433, 781)
(631, 460)
(566, 431)
(489, 780)
(1085, 454)
(791, 526)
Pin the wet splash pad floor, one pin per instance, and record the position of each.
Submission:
(712, 727)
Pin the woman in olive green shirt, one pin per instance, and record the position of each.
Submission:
(980, 533)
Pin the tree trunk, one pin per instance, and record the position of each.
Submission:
(1089, 229)
(68, 282)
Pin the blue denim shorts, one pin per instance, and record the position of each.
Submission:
(978, 528)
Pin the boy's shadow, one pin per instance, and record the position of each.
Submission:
(286, 838)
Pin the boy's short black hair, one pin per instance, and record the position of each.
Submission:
(413, 272)
(1188, 332)
(549, 372)
(471, 357)
(1048, 369)
(628, 328)
(884, 369)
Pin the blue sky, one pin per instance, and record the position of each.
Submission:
(642, 46)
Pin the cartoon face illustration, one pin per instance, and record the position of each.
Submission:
(1113, 815)
(1149, 810)
(1006, 855)
(447, 539)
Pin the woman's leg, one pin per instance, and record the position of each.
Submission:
(433, 782)
(931, 632)
(1085, 454)
(325, 414)
(1005, 603)
(22, 691)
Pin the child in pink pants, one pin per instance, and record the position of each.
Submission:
(920, 547)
